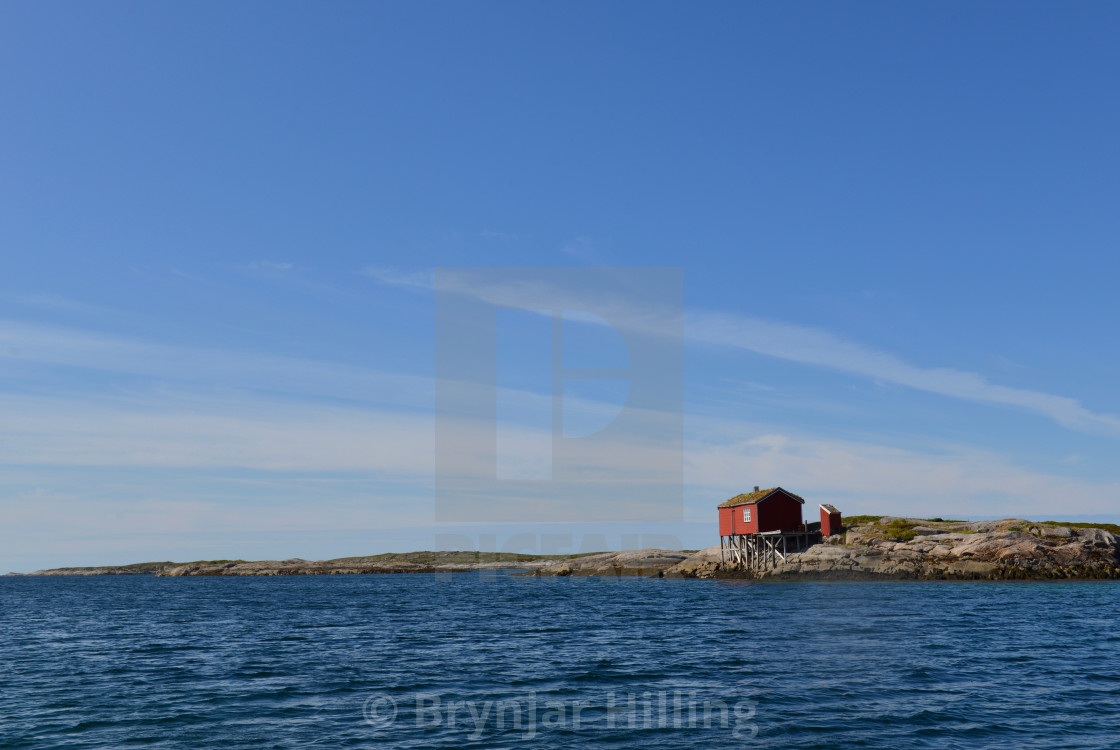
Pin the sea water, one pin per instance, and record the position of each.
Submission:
(485, 660)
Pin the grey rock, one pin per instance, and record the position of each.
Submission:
(980, 550)
(702, 564)
(1061, 532)
(971, 569)
(644, 562)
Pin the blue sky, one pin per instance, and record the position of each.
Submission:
(896, 228)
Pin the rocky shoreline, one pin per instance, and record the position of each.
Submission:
(891, 548)
(298, 567)
(872, 548)
(1010, 549)
(404, 562)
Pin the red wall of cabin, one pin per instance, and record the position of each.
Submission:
(779, 513)
(731, 520)
(725, 521)
(830, 523)
(746, 527)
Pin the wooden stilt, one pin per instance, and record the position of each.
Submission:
(765, 550)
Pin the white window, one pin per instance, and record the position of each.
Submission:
(746, 515)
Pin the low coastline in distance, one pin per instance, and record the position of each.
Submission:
(870, 548)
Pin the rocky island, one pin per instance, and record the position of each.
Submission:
(870, 548)
(392, 562)
(890, 548)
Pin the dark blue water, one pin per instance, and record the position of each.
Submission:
(409, 661)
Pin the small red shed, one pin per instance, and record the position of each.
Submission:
(830, 520)
(774, 509)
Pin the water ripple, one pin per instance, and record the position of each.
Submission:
(498, 662)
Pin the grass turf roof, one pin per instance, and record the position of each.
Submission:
(750, 498)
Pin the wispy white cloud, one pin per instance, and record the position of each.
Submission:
(30, 345)
(213, 427)
(814, 346)
(722, 457)
(205, 408)
(332, 466)
(375, 449)
(797, 343)
(395, 277)
(582, 248)
(218, 432)
(48, 301)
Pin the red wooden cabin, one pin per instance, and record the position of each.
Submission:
(830, 520)
(774, 509)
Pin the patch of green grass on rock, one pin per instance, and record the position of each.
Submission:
(897, 530)
(850, 521)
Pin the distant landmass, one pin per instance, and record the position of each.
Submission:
(870, 548)
(390, 562)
